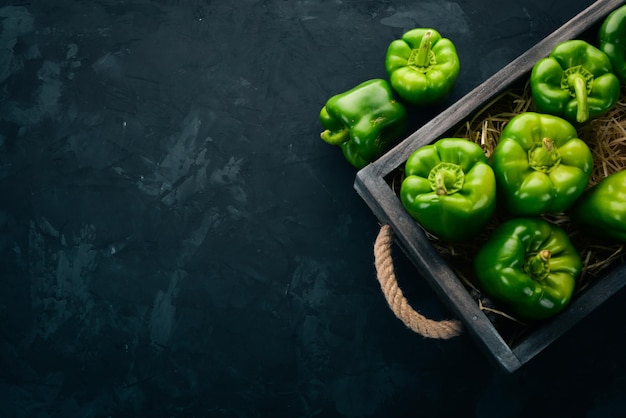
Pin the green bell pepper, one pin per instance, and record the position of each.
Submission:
(364, 121)
(540, 164)
(529, 266)
(612, 41)
(576, 82)
(422, 66)
(601, 210)
(449, 188)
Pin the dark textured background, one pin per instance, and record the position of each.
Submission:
(176, 240)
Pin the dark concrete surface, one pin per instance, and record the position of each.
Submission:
(176, 240)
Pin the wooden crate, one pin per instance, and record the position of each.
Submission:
(373, 184)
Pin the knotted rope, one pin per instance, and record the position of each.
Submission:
(397, 302)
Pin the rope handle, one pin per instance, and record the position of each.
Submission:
(396, 300)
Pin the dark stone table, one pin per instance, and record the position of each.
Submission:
(177, 241)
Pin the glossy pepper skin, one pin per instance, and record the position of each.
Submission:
(364, 121)
(540, 164)
(612, 41)
(529, 266)
(422, 66)
(449, 188)
(576, 82)
(601, 210)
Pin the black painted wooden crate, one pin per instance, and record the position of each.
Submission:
(372, 183)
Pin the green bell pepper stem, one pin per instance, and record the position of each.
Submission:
(611, 40)
(422, 57)
(579, 84)
(575, 82)
(538, 265)
(364, 121)
(337, 137)
(446, 178)
(529, 267)
(440, 184)
(449, 189)
(540, 164)
(544, 157)
(601, 211)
